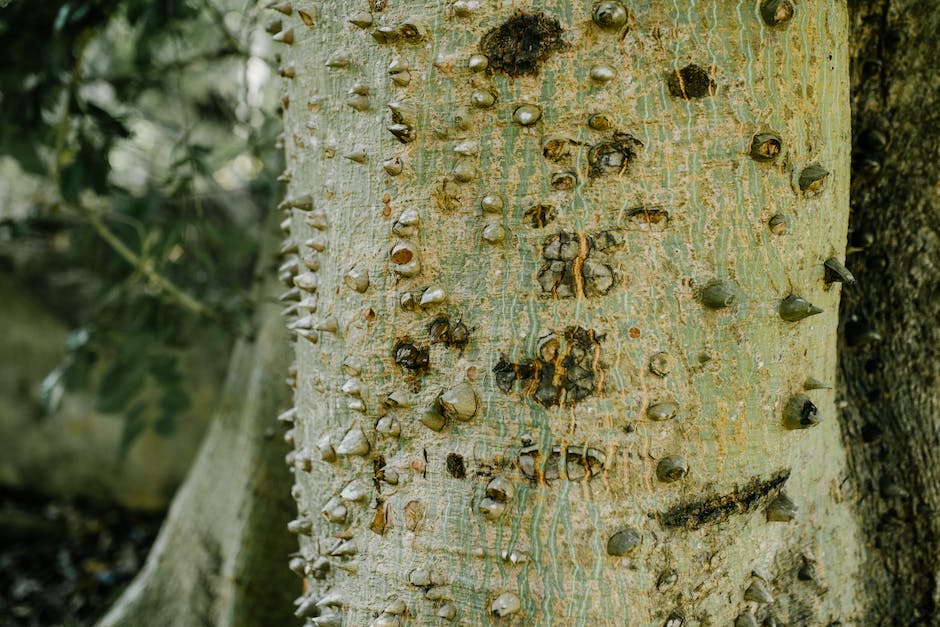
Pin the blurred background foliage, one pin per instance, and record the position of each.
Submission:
(137, 164)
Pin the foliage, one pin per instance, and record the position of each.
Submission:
(142, 124)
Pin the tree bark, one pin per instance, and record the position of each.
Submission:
(218, 559)
(552, 354)
(889, 349)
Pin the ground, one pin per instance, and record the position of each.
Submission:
(63, 563)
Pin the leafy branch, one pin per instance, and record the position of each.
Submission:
(170, 290)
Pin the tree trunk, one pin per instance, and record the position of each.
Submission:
(554, 272)
(889, 361)
(218, 559)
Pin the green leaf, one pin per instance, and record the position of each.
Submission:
(78, 373)
(71, 180)
(134, 425)
(62, 17)
(165, 424)
(77, 339)
(109, 125)
(174, 400)
(121, 383)
(164, 368)
(52, 388)
(24, 148)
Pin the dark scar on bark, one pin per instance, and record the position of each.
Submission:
(719, 507)
(522, 43)
(410, 356)
(648, 217)
(455, 466)
(449, 332)
(540, 215)
(567, 369)
(690, 82)
(378, 472)
(579, 264)
(613, 156)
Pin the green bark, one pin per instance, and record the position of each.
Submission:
(527, 463)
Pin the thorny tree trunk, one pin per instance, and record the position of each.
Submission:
(550, 367)
(219, 557)
(890, 365)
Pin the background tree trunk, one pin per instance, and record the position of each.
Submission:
(501, 300)
(889, 362)
(219, 557)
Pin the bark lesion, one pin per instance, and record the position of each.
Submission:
(613, 156)
(411, 356)
(690, 82)
(719, 507)
(522, 43)
(573, 463)
(455, 466)
(540, 215)
(578, 265)
(451, 332)
(567, 369)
